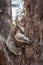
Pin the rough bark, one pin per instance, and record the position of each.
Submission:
(5, 17)
(34, 19)
(34, 25)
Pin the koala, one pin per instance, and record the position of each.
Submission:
(15, 39)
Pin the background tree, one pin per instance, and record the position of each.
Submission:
(5, 17)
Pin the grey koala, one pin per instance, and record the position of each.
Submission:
(16, 36)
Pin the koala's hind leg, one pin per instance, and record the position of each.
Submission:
(12, 47)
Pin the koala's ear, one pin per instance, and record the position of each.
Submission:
(14, 23)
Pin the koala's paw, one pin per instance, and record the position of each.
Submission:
(20, 51)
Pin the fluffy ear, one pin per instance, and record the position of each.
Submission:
(14, 23)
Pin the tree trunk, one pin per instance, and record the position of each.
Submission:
(34, 24)
(34, 19)
(5, 17)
